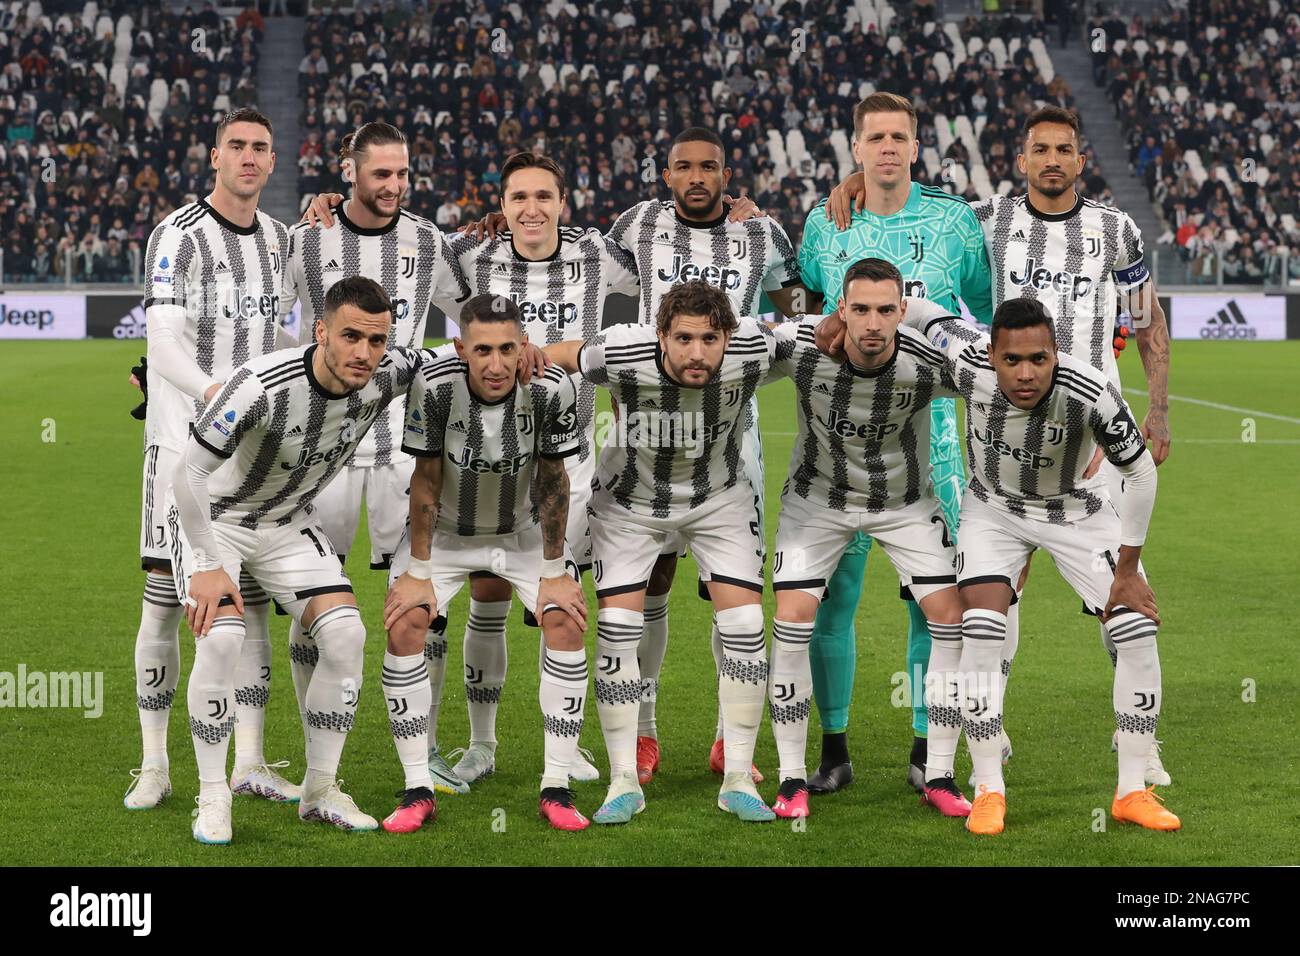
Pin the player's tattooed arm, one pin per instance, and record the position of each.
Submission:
(552, 504)
(415, 587)
(1153, 347)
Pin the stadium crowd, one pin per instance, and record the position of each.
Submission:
(1209, 102)
(106, 118)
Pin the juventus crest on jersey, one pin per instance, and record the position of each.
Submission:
(489, 449)
(743, 259)
(218, 285)
(864, 434)
(562, 298)
(286, 436)
(674, 447)
(408, 257)
(1030, 462)
(1075, 263)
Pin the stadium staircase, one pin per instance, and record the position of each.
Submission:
(1103, 131)
(277, 85)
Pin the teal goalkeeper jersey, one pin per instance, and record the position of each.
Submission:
(937, 244)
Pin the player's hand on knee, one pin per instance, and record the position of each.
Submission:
(741, 209)
(206, 590)
(1132, 591)
(829, 336)
(564, 593)
(318, 213)
(533, 363)
(1095, 464)
(849, 195)
(408, 592)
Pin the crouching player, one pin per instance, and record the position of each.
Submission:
(489, 494)
(1035, 418)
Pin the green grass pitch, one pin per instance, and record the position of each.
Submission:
(1221, 555)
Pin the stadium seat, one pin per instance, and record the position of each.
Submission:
(894, 44)
(942, 66)
(1119, 46)
(547, 74)
(651, 71)
(89, 14)
(1182, 94)
(1162, 92)
(1211, 33)
(104, 26)
(1180, 49)
(980, 122)
(974, 45)
(1141, 48)
(1042, 59)
(999, 51)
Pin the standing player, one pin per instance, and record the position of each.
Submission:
(212, 287)
(371, 235)
(672, 242)
(1035, 419)
(1079, 258)
(858, 467)
(491, 494)
(935, 241)
(674, 467)
(280, 429)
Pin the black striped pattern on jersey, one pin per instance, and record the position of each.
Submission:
(805, 370)
(268, 452)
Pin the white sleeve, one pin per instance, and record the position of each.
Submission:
(194, 503)
(169, 358)
(1138, 500)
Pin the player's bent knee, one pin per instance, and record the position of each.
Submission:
(406, 637)
(796, 606)
(561, 632)
(340, 636)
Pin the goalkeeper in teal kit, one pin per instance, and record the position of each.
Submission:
(938, 245)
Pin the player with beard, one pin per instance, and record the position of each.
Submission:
(212, 286)
(1081, 259)
(370, 234)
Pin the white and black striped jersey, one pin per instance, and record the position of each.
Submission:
(408, 257)
(562, 297)
(1076, 263)
(285, 436)
(489, 450)
(864, 434)
(743, 259)
(673, 447)
(1030, 462)
(218, 286)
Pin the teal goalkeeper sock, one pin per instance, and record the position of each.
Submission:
(918, 662)
(833, 652)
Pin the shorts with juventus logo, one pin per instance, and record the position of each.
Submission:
(723, 534)
(293, 563)
(810, 539)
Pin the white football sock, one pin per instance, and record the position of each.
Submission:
(332, 698)
(618, 684)
(407, 693)
(1136, 694)
(303, 657)
(1012, 641)
(252, 676)
(1108, 645)
(715, 643)
(485, 666)
(650, 655)
(562, 693)
(982, 634)
(742, 683)
(210, 697)
(435, 663)
(157, 665)
(943, 704)
(789, 695)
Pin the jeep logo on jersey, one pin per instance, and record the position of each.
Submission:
(1063, 282)
(683, 270)
(306, 460)
(558, 314)
(240, 305)
(400, 309)
(482, 466)
(840, 425)
(1017, 454)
